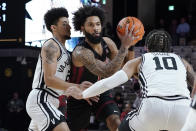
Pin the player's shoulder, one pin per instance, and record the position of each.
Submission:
(50, 46)
(50, 43)
(109, 41)
(107, 38)
(111, 45)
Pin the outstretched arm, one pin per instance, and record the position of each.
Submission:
(85, 57)
(120, 77)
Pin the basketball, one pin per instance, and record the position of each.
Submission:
(138, 27)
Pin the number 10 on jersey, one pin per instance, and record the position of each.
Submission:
(165, 61)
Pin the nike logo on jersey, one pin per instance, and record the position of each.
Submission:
(53, 121)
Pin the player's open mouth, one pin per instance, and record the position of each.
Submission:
(97, 34)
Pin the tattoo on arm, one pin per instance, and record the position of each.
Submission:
(116, 63)
(50, 52)
(97, 67)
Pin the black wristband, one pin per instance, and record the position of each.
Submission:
(131, 48)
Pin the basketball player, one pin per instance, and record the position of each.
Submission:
(50, 77)
(95, 57)
(163, 79)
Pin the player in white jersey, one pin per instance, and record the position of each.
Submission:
(51, 74)
(163, 79)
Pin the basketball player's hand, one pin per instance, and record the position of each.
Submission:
(85, 84)
(74, 91)
(128, 38)
(89, 100)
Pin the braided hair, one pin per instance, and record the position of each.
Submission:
(158, 41)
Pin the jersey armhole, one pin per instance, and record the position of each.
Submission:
(182, 62)
(59, 48)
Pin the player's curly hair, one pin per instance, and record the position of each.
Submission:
(84, 12)
(52, 16)
(158, 41)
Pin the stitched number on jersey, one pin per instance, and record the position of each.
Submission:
(166, 65)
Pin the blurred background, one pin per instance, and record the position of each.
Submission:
(22, 33)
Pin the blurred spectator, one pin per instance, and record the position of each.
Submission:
(107, 30)
(183, 30)
(102, 126)
(119, 100)
(2, 129)
(15, 117)
(126, 109)
(15, 104)
(161, 25)
(137, 100)
(172, 30)
(190, 19)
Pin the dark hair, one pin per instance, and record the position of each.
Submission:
(158, 41)
(52, 16)
(84, 12)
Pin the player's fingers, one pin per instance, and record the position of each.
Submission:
(79, 96)
(136, 37)
(85, 86)
(127, 29)
(87, 83)
(67, 92)
(135, 32)
(119, 35)
(89, 102)
(132, 28)
(95, 99)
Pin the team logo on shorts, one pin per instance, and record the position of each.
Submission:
(53, 121)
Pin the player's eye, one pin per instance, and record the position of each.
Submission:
(98, 24)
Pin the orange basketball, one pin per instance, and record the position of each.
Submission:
(131, 20)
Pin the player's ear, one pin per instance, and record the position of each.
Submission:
(53, 27)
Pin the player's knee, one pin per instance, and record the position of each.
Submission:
(113, 121)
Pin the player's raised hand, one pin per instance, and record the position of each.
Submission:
(84, 85)
(128, 38)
